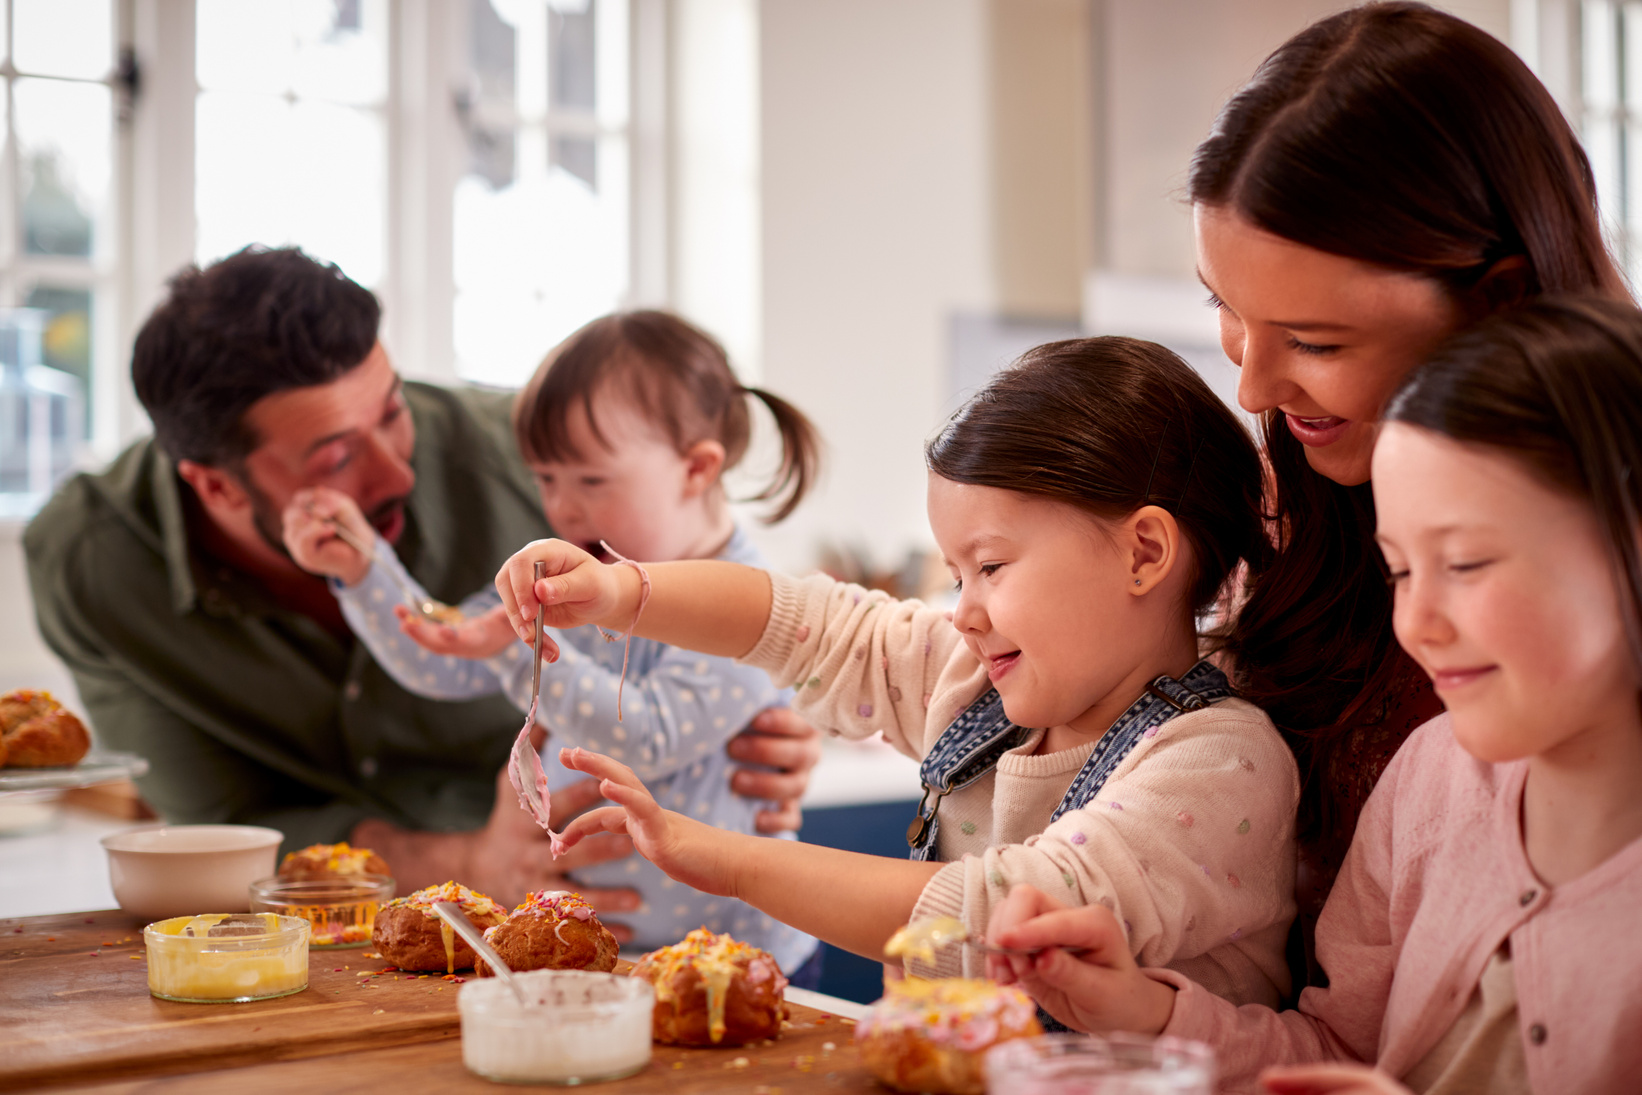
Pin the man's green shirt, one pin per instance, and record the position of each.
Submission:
(251, 713)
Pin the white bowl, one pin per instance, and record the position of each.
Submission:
(181, 870)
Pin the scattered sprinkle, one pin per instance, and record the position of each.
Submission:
(1245, 763)
(1234, 881)
(1066, 877)
(1079, 838)
(968, 828)
(1243, 826)
(1185, 819)
(136, 958)
(1117, 805)
(1237, 933)
(827, 1047)
(379, 1011)
(95, 954)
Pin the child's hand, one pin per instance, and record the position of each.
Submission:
(578, 589)
(312, 540)
(1100, 990)
(690, 851)
(1330, 1079)
(476, 637)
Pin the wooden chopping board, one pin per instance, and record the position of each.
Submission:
(798, 1063)
(76, 1012)
(76, 1005)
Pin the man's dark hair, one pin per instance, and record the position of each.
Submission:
(263, 320)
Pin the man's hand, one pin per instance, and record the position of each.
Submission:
(1330, 1079)
(509, 857)
(311, 536)
(477, 637)
(779, 739)
(1099, 990)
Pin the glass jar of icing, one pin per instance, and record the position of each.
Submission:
(227, 958)
(575, 1028)
(1100, 1064)
(340, 910)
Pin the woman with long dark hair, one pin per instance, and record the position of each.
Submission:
(1388, 176)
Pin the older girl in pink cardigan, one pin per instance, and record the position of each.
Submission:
(1482, 934)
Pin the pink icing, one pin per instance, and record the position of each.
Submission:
(537, 807)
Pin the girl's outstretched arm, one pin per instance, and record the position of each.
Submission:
(704, 605)
(850, 900)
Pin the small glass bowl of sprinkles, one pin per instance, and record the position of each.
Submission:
(341, 910)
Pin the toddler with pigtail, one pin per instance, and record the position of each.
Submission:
(629, 427)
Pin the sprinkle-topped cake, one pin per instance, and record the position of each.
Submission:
(410, 934)
(931, 1035)
(552, 930)
(332, 861)
(712, 990)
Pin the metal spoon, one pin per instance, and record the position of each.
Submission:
(451, 913)
(431, 610)
(1017, 952)
(523, 763)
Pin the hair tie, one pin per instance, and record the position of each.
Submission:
(644, 599)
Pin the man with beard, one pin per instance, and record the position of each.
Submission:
(164, 585)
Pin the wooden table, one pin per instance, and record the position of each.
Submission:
(75, 1015)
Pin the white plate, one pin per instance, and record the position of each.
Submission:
(97, 767)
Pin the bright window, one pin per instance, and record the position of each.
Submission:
(58, 238)
(469, 160)
(542, 212)
(1610, 121)
(290, 129)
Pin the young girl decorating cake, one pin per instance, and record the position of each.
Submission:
(629, 426)
(1090, 502)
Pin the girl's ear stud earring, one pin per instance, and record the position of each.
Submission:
(1137, 581)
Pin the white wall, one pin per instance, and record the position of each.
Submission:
(875, 230)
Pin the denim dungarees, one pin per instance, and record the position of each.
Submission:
(972, 745)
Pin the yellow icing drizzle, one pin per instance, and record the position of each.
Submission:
(920, 938)
(714, 958)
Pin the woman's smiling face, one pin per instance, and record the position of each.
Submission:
(1321, 338)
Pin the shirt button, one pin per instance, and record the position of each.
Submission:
(351, 692)
(1527, 897)
(367, 767)
(1537, 1034)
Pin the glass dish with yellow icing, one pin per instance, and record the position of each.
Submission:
(227, 958)
(341, 911)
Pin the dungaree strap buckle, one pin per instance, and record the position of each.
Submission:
(918, 831)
